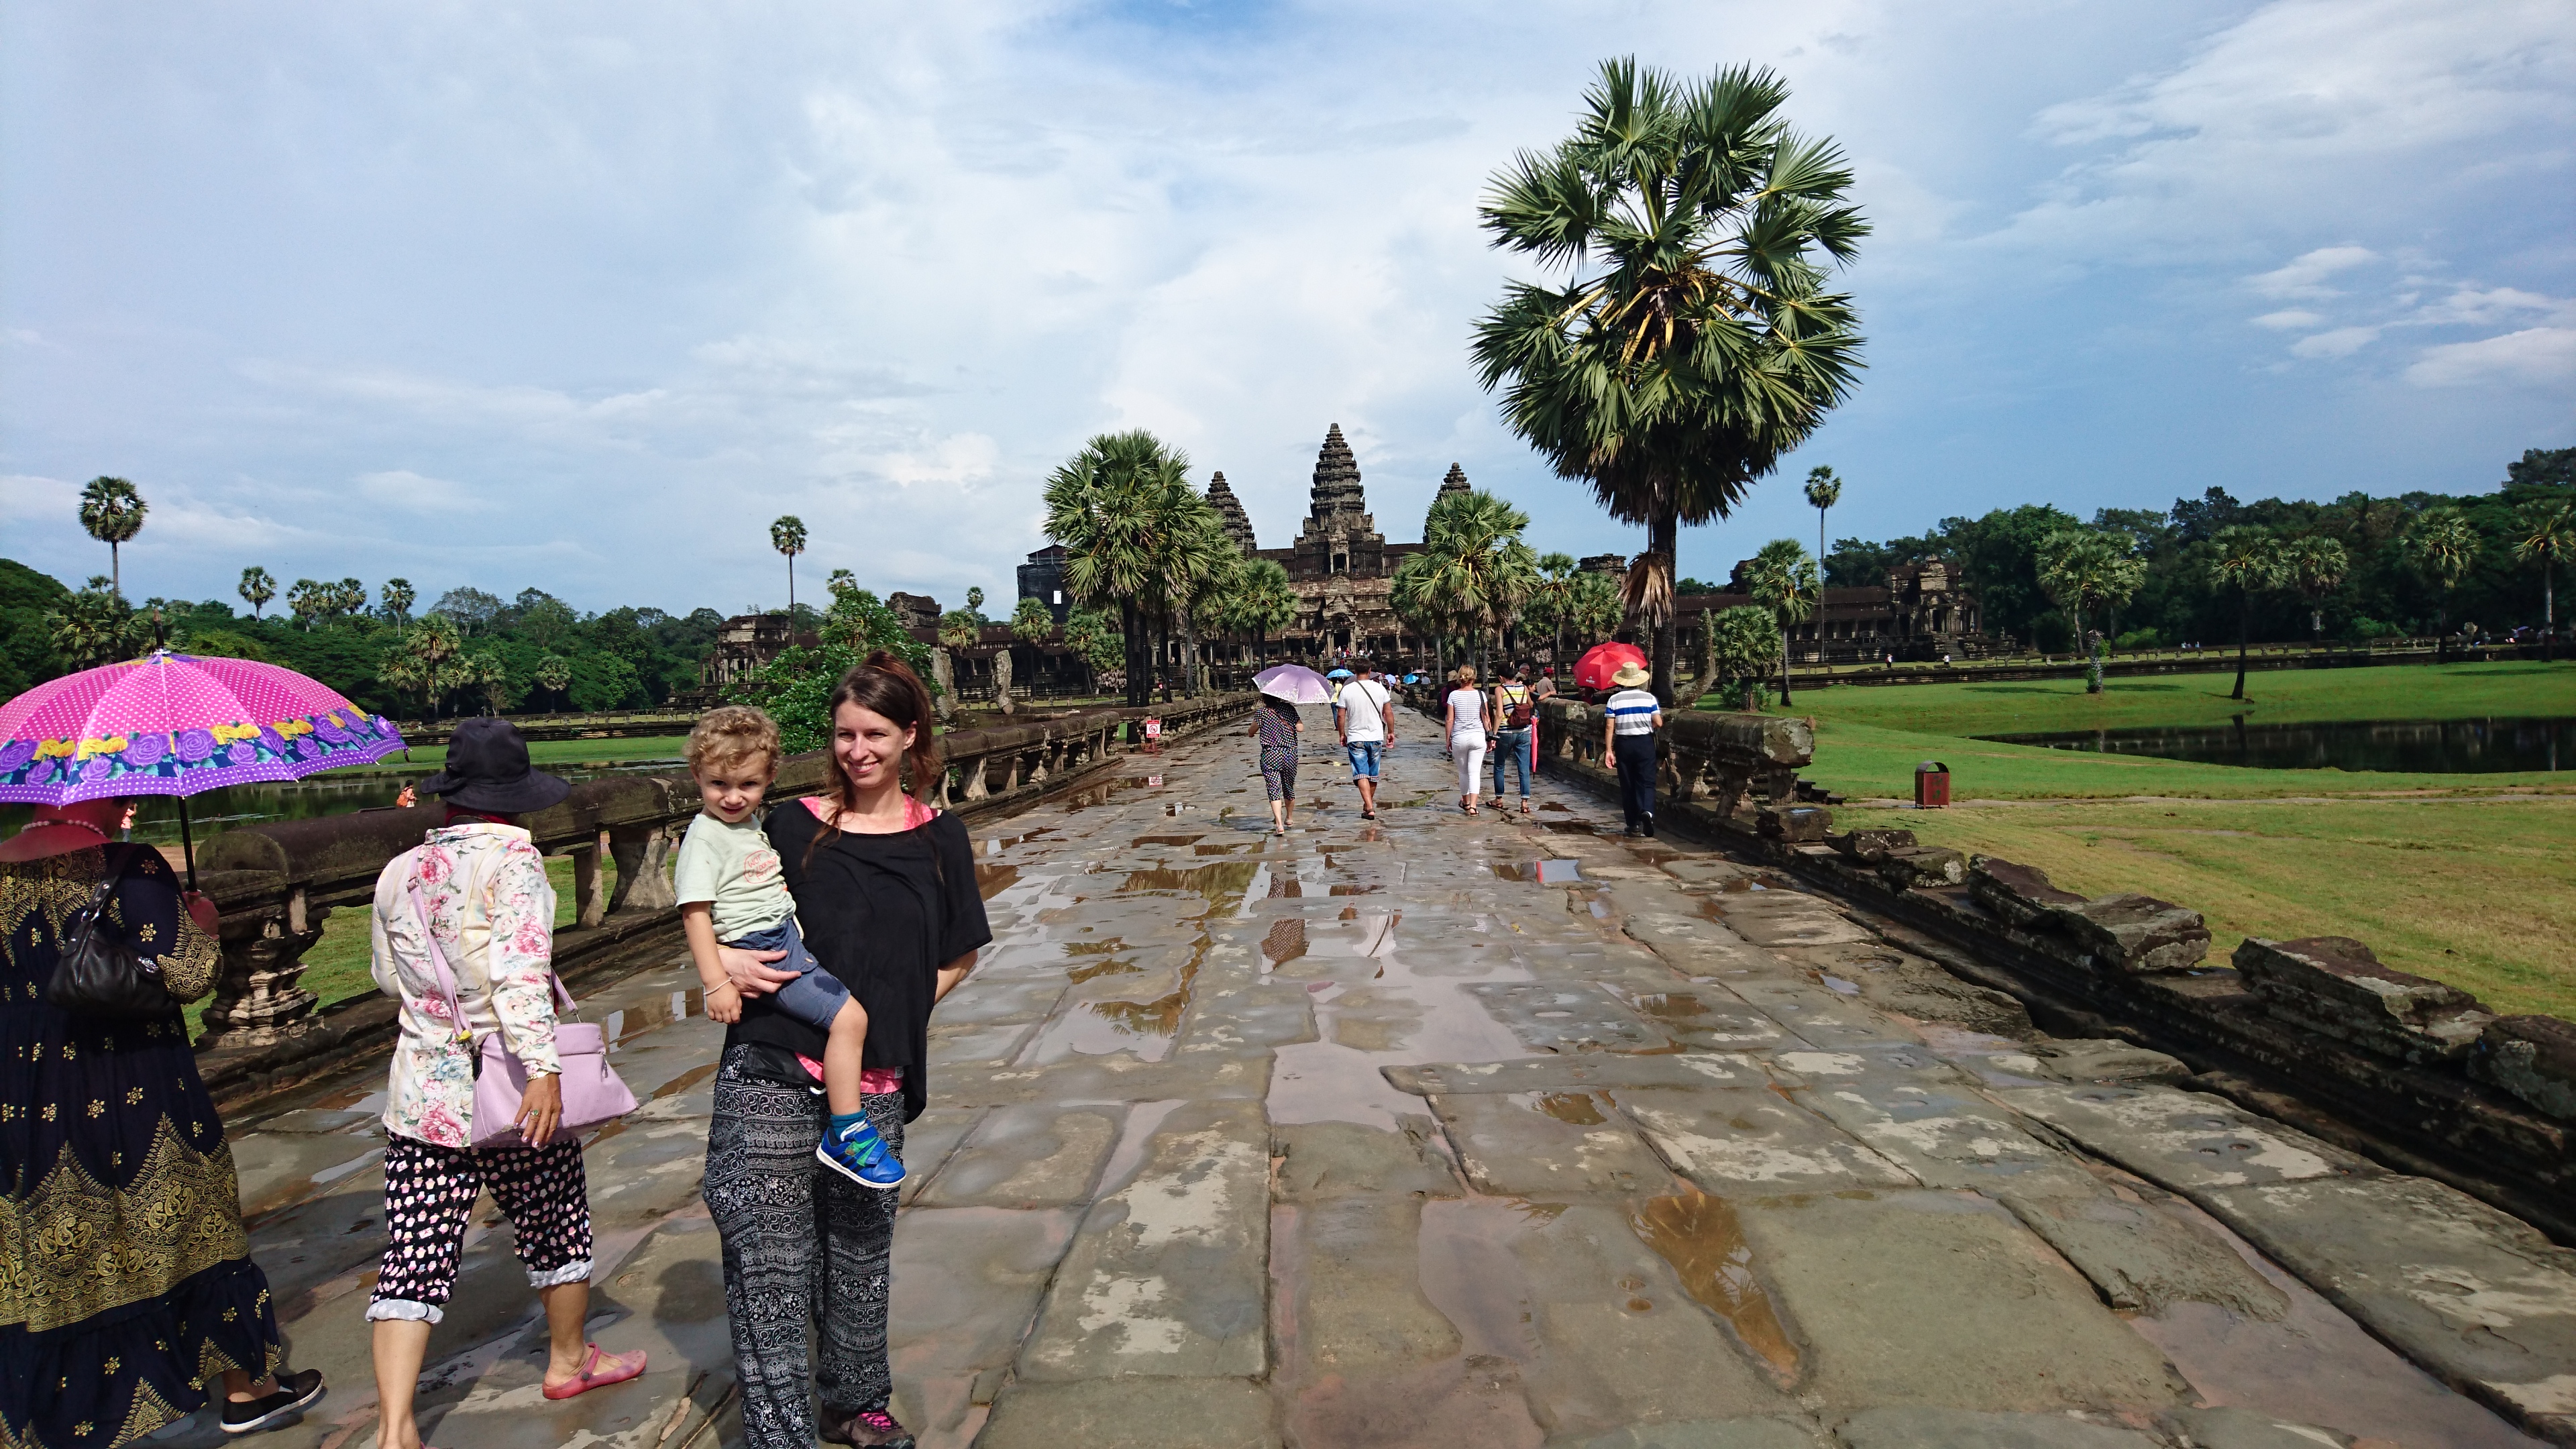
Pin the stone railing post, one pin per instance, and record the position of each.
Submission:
(643, 856)
(590, 902)
(257, 1001)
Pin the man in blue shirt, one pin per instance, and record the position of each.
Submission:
(1629, 722)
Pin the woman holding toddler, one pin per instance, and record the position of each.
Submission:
(885, 907)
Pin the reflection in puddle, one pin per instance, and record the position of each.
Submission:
(1144, 840)
(1080, 974)
(1700, 1237)
(1214, 849)
(1218, 885)
(992, 880)
(1106, 946)
(651, 1012)
(1575, 1109)
(1569, 827)
(1841, 987)
(1355, 890)
(1286, 941)
(1671, 1005)
(1285, 888)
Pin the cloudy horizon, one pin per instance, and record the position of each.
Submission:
(581, 298)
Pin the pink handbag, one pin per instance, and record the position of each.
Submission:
(592, 1090)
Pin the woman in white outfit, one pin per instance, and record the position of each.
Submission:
(1467, 736)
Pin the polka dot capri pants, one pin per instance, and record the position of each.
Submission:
(429, 1200)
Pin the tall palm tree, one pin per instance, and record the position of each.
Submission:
(2084, 567)
(2443, 547)
(1784, 581)
(2248, 561)
(1478, 562)
(1552, 601)
(1416, 597)
(1824, 490)
(787, 535)
(554, 676)
(1593, 607)
(1259, 603)
(1694, 341)
(1112, 507)
(258, 586)
(2315, 566)
(2545, 533)
(112, 511)
(397, 596)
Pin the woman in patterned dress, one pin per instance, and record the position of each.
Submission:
(1276, 726)
(127, 1294)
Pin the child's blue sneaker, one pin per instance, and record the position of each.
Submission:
(862, 1156)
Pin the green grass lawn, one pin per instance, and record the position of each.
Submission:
(556, 753)
(2467, 878)
(1869, 739)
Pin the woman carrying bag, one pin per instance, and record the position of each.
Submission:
(128, 1273)
(467, 917)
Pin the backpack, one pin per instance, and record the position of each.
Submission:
(1518, 710)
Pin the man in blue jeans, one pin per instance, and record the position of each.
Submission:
(1515, 711)
(1364, 715)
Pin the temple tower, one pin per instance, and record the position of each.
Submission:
(1340, 537)
(1456, 482)
(1238, 524)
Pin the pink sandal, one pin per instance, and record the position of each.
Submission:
(598, 1370)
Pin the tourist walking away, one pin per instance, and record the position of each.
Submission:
(1466, 716)
(1276, 726)
(886, 900)
(1365, 717)
(131, 1299)
(1629, 722)
(463, 937)
(1515, 714)
(732, 893)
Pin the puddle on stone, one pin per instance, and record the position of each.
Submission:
(1552, 805)
(1378, 1011)
(1080, 974)
(1354, 890)
(1142, 841)
(992, 880)
(1106, 946)
(1840, 987)
(996, 844)
(1215, 849)
(1285, 888)
(1570, 827)
(1671, 1005)
(1575, 1109)
(1699, 1236)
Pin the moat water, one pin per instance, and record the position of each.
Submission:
(2395, 746)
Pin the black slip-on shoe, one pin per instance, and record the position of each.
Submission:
(296, 1392)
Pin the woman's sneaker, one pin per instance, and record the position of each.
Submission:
(295, 1393)
(861, 1155)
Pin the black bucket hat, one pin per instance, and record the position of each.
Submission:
(487, 770)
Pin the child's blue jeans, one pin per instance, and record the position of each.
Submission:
(815, 996)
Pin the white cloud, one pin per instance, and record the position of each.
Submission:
(2289, 321)
(2341, 342)
(2534, 355)
(2305, 278)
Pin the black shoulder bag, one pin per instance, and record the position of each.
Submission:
(101, 974)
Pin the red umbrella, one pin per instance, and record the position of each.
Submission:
(1598, 663)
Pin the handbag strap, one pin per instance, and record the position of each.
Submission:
(447, 978)
(110, 872)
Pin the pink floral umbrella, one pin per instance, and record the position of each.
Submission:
(177, 724)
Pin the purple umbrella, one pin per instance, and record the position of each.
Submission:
(1294, 683)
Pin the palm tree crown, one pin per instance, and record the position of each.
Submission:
(258, 586)
(1134, 533)
(1475, 564)
(1824, 490)
(2545, 533)
(112, 511)
(1694, 341)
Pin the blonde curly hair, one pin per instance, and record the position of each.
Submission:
(731, 735)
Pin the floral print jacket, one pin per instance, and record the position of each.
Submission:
(493, 913)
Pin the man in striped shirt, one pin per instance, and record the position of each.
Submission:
(1629, 722)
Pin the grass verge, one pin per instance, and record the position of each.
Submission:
(2475, 892)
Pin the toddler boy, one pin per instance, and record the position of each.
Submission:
(732, 892)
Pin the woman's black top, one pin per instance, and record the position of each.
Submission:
(882, 913)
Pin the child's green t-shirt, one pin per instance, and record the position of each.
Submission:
(734, 869)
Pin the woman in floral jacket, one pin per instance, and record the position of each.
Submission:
(477, 885)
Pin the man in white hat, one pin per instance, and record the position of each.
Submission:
(1629, 722)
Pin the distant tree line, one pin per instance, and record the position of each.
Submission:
(2417, 563)
(467, 652)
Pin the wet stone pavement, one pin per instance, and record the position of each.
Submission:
(1489, 1132)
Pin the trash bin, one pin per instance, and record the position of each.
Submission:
(1931, 785)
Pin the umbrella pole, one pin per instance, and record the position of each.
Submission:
(187, 847)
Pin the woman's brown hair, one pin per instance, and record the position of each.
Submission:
(883, 684)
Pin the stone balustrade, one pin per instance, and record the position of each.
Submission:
(276, 883)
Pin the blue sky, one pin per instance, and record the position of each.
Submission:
(583, 295)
